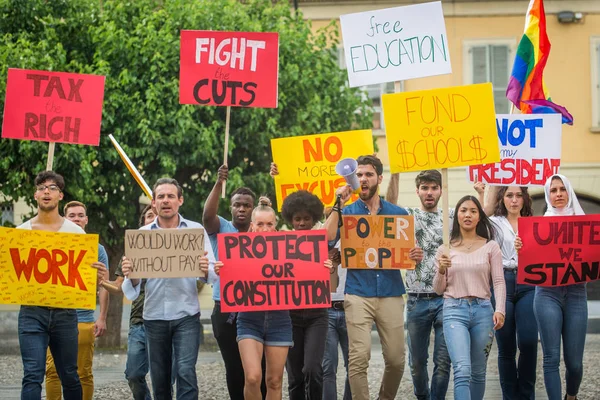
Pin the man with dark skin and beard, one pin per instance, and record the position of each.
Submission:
(225, 324)
(372, 295)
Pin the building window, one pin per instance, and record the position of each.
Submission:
(8, 215)
(490, 61)
(595, 56)
(374, 92)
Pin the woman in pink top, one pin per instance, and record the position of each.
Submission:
(464, 276)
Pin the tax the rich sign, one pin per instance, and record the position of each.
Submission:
(221, 68)
(441, 128)
(274, 271)
(53, 107)
(308, 162)
(559, 251)
(530, 148)
(165, 253)
(377, 241)
(39, 268)
(394, 44)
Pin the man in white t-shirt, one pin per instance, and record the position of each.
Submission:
(43, 327)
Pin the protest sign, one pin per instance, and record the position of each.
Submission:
(394, 44)
(441, 128)
(559, 251)
(53, 107)
(165, 253)
(229, 68)
(39, 268)
(274, 271)
(530, 148)
(308, 162)
(377, 241)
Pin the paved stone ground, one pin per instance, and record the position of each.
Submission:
(111, 384)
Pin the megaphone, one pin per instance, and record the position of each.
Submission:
(346, 168)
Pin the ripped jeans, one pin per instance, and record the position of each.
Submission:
(469, 333)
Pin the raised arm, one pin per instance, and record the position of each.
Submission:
(393, 188)
(331, 224)
(210, 217)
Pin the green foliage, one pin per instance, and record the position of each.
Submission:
(135, 44)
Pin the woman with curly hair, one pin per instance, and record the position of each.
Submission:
(302, 211)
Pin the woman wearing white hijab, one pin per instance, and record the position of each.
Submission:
(561, 311)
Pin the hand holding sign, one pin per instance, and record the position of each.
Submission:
(102, 272)
(445, 263)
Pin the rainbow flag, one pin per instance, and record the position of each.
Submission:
(526, 88)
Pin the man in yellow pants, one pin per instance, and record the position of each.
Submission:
(88, 329)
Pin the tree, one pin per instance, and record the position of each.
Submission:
(135, 44)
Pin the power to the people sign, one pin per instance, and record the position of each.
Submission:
(221, 68)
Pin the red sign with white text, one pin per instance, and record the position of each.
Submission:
(229, 68)
(53, 107)
(274, 271)
(559, 251)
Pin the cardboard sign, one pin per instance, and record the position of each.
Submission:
(377, 241)
(165, 253)
(559, 251)
(53, 107)
(395, 44)
(229, 68)
(530, 148)
(39, 268)
(308, 162)
(441, 128)
(274, 271)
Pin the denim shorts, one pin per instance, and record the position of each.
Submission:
(271, 328)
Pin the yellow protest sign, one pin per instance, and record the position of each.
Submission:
(441, 128)
(308, 162)
(39, 268)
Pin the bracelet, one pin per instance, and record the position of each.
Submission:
(336, 209)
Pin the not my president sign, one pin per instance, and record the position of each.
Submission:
(274, 271)
(559, 251)
(165, 253)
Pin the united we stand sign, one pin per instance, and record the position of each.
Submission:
(53, 107)
(221, 68)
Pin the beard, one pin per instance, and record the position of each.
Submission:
(48, 208)
(432, 206)
(369, 195)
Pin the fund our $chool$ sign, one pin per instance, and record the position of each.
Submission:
(377, 241)
(39, 268)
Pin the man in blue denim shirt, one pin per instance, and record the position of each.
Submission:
(372, 295)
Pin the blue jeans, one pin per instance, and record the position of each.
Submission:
(40, 327)
(337, 334)
(469, 333)
(422, 314)
(562, 311)
(136, 368)
(180, 339)
(519, 331)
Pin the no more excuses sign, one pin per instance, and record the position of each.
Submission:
(53, 107)
(229, 68)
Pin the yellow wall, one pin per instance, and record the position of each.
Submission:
(567, 75)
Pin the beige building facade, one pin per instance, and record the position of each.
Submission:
(483, 37)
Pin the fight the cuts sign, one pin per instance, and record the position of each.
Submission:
(229, 68)
(530, 149)
(39, 268)
(559, 251)
(53, 107)
(274, 271)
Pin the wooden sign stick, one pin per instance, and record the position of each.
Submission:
(445, 214)
(226, 149)
(50, 156)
